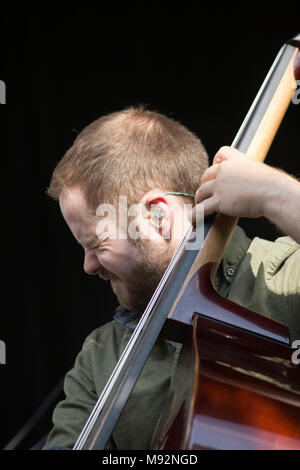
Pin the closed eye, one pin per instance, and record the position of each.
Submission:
(94, 247)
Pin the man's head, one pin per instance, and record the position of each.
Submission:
(134, 155)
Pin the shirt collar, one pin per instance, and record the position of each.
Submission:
(126, 317)
(130, 319)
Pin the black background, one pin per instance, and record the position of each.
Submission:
(61, 74)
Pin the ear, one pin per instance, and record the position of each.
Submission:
(159, 212)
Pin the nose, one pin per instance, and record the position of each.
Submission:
(91, 263)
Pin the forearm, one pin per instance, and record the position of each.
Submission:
(282, 205)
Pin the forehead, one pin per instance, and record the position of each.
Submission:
(77, 215)
(73, 205)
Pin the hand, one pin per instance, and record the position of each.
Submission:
(238, 186)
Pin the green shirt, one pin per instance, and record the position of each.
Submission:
(260, 275)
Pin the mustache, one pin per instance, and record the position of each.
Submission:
(106, 275)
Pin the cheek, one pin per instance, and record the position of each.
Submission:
(118, 262)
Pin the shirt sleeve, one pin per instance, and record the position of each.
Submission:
(268, 281)
(284, 286)
(71, 414)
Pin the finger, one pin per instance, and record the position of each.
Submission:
(222, 154)
(201, 210)
(205, 191)
(210, 173)
(227, 153)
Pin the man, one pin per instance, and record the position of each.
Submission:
(157, 164)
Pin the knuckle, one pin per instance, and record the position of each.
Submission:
(225, 149)
(222, 153)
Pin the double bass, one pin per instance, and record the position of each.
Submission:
(236, 386)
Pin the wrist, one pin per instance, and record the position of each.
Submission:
(281, 198)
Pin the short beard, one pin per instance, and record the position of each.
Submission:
(146, 275)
